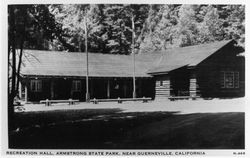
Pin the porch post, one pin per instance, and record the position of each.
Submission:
(108, 89)
(91, 93)
(167, 85)
(125, 88)
(26, 91)
(20, 90)
(193, 85)
(52, 89)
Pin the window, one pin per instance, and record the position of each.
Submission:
(76, 85)
(229, 79)
(236, 79)
(36, 85)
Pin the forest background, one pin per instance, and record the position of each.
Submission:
(109, 26)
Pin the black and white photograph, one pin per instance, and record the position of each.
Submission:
(127, 77)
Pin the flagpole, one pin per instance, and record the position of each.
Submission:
(133, 52)
(87, 59)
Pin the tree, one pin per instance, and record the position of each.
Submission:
(157, 26)
(211, 27)
(165, 32)
(12, 64)
(71, 18)
(234, 23)
(161, 32)
(116, 31)
(25, 23)
(187, 26)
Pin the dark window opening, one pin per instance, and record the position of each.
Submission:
(229, 79)
(76, 85)
(161, 83)
(36, 85)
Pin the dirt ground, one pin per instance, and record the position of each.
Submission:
(186, 124)
(110, 129)
(181, 106)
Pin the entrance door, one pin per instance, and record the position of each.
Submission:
(180, 83)
(62, 89)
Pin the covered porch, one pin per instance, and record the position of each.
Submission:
(34, 89)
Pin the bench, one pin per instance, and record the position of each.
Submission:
(17, 105)
(173, 98)
(19, 108)
(49, 102)
(120, 100)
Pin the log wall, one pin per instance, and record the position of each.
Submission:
(193, 85)
(162, 87)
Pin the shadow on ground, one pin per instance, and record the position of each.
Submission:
(110, 129)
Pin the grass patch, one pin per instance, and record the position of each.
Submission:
(43, 118)
(109, 129)
(194, 131)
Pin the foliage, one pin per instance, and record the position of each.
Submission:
(109, 26)
(235, 23)
(29, 26)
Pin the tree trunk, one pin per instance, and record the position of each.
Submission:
(21, 52)
(12, 92)
(18, 68)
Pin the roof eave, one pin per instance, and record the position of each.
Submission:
(80, 77)
(191, 66)
(158, 73)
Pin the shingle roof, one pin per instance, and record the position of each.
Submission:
(55, 63)
(186, 56)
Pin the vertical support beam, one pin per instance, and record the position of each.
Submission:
(20, 90)
(140, 87)
(26, 91)
(92, 93)
(167, 85)
(71, 88)
(52, 89)
(108, 89)
(193, 85)
(125, 88)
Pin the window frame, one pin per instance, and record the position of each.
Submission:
(37, 85)
(76, 85)
(238, 79)
(225, 82)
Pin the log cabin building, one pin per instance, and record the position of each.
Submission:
(207, 70)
